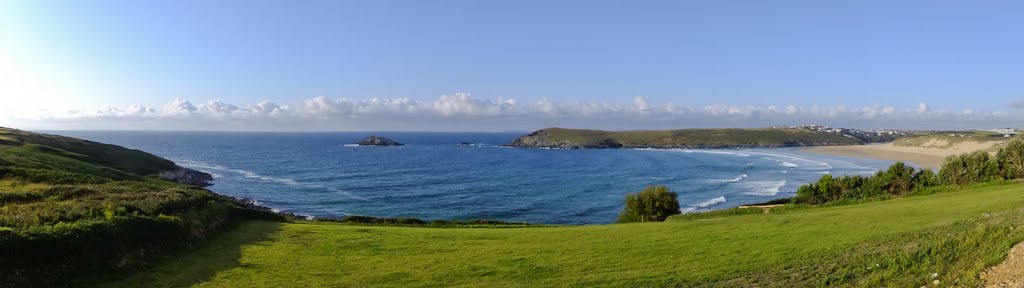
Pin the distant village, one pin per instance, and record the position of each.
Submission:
(859, 133)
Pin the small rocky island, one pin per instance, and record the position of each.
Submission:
(378, 141)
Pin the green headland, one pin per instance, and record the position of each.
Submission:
(696, 138)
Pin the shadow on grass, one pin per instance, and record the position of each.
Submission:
(187, 268)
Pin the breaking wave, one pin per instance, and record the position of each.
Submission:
(763, 188)
(733, 180)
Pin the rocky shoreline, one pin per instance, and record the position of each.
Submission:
(187, 176)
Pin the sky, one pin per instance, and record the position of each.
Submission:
(509, 65)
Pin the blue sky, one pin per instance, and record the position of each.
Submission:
(228, 65)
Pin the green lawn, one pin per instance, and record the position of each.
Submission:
(954, 234)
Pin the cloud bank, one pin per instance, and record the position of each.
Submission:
(463, 112)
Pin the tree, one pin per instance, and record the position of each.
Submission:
(654, 203)
(953, 170)
(898, 178)
(981, 167)
(926, 178)
(1011, 159)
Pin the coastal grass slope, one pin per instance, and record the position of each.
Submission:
(36, 150)
(72, 209)
(687, 138)
(907, 242)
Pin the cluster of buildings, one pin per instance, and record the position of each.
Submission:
(1007, 132)
(851, 131)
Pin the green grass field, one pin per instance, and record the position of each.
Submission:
(896, 243)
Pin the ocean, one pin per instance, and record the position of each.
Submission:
(435, 178)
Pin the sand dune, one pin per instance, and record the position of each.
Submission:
(929, 157)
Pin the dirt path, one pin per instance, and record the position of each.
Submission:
(765, 208)
(1010, 273)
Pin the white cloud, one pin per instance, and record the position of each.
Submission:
(462, 111)
(640, 103)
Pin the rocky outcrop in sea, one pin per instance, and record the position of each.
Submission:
(378, 141)
(187, 176)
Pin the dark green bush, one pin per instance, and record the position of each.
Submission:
(969, 168)
(898, 179)
(654, 203)
(1010, 160)
(926, 178)
(381, 221)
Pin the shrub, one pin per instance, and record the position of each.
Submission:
(898, 179)
(381, 221)
(969, 168)
(926, 178)
(1010, 160)
(654, 203)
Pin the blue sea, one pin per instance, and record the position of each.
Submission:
(434, 178)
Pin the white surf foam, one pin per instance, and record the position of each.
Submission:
(733, 180)
(720, 152)
(763, 188)
(817, 164)
(256, 176)
(244, 173)
(351, 145)
(710, 202)
(787, 164)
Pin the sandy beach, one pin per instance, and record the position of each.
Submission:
(929, 157)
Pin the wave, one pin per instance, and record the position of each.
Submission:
(256, 176)
(763, 188)
(820, 164)
(787, 164)
(701, 151)
(733, 180)
(710, 202)
(351, 145)
(245, 173)
(720, 152)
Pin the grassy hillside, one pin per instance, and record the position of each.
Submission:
(949, 139)
(895, 243)
(36, 150)
(684, 138)
(71, 209)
